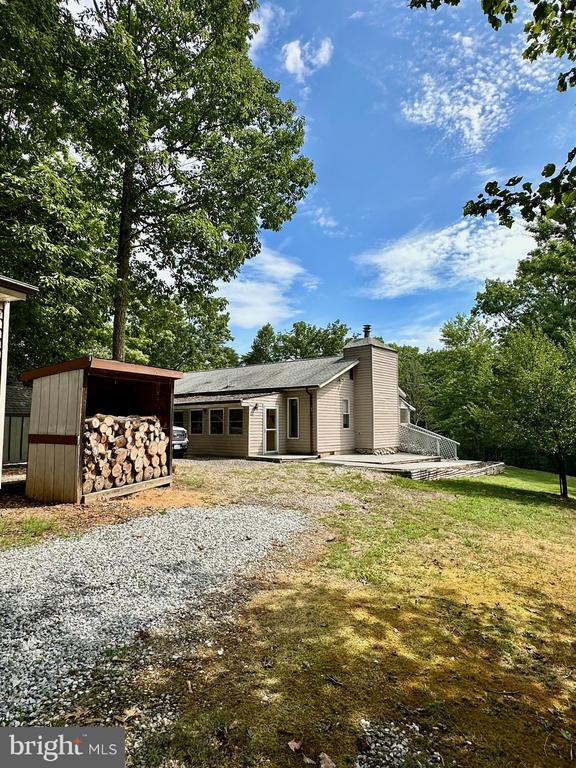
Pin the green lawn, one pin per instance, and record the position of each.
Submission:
(25, 532)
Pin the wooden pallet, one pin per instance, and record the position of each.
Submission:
(126, 490)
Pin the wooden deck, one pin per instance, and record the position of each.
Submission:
(417, 467)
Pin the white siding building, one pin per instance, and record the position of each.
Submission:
(10, 290)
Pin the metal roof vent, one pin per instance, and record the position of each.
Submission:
(367, 331)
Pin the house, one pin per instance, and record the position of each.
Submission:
(10, 290)
(16, 421)
(329, 405)
(406, 408)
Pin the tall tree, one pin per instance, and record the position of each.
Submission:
(186, 337)
(306, 340)
(303, 340)
(264, 347)
(543, 292)
(52, 232)
(533, 398)
(52, 236)
(414, 379)
(550, 31)
(185, 137)
(460, 376)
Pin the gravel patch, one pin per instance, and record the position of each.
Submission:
(66, 601)
(388, 745)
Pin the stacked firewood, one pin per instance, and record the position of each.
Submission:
(122, 450)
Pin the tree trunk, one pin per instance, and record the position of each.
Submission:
(123, 265)
(562, 476)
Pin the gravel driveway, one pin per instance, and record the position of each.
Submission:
(62, 603)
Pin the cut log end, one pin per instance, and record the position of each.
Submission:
(122, 450)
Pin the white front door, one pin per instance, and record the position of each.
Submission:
(270, 430)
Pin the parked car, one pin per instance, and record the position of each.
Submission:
(179, 441)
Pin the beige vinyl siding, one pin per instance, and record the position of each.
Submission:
(3, 373)
(302, 443)
(362, 418)
(216, 445)
(386, 403)
(332, 437)
(54, 470)
(376, 406)
(256, 407)
(2, 361)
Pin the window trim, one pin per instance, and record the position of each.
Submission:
(216, 434)
(200, 411)
(236, 434)
(345, 412)
(288, 422)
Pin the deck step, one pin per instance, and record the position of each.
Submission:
(470, 469)
(282, 458)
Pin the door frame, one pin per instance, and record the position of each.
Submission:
(266, 430)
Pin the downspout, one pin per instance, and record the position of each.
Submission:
(311, 421)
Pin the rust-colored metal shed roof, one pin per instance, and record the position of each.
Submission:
(103, 367)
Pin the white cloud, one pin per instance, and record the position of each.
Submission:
(263, 291)
(467, 85)
(269, 18)
(466, 253)
(420, 334)
(357, 15)
(323, 54)
(322, 218)
(303, 59)
(294, 60)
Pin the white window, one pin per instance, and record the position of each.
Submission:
(217, 421)
(345, 414)
(236, 421)
(293, 418)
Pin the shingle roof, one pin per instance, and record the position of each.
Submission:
(370, 342)
(16, 288)
(266, 377)
(18, 400)
(234, 397)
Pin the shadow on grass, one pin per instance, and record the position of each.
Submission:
(308, 660)
(507, 486)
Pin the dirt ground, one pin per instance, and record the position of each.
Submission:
(24, 521)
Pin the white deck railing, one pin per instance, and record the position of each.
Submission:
(422, 441)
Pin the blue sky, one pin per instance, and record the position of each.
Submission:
(408, 114)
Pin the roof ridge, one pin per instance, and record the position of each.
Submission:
(261, 365)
